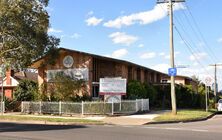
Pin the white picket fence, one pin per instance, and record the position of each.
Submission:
(125, 106)
(2, 106)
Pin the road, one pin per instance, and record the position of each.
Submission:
(205, 130)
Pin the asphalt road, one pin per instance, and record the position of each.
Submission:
(205, 130)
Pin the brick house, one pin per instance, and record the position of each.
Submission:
(92, 67)
(182, 80)
(11, 81)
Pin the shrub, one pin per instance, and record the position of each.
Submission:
(27, 90)
(64, 88)
(136, 90)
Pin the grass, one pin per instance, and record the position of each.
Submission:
(183, 115)
(48, 119)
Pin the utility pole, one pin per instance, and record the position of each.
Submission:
(2, 82)
(173, 94)
(215, 80)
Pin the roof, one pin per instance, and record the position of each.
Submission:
(36, 64)
(25, 75)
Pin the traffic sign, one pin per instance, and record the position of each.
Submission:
(208, 81)
(172, 71)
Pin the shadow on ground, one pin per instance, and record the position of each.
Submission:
(17, 127)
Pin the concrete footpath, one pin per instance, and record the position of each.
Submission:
(138, 119)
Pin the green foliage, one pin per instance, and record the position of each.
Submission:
(27, 90)
(65, 88)
(24, 32)
(137, 90)
(151, 93)
(160, 95)
(12, 105)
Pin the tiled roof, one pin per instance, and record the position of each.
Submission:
(26, 75)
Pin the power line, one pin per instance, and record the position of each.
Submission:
(187, 34)
(190, 49)
(200, 33)
(185, 42)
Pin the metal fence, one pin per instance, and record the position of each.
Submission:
(125, 106)
(2, 106)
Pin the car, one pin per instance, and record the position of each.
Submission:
(219, 107)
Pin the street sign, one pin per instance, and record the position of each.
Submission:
(172, 71)
(208, 81)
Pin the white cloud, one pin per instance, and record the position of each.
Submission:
(168, 56)
(90, 13)
(161, 67)
(75, 36)
(162, 54)
(147, 17)
(122, 38)
(118, 53)
(52, 30)
(148, 55)
(219, 40)
(141, 45)
(93, 21)
(198, 56)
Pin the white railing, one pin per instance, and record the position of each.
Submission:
(125, 106)
(2, 107)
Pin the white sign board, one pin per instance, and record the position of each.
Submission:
(76, 74)
(112, 99)
(112, 86)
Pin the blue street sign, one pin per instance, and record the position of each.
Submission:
(172, 71)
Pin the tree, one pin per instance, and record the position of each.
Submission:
(66, 88)
(23, 32)
(27, 90)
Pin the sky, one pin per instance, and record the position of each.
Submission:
(138, 31)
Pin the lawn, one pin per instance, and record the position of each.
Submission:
(48, 119)
(183, 115)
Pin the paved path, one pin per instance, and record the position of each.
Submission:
(205, 130)
(138, 119)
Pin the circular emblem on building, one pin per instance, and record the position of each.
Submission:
(68, 61)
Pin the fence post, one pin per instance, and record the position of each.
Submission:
(40, 107)
(142, 104)
(82, 108)
(60, 107)
(22, 110)
(3, 107)
(120, 105)
(136, 106)
(148, 100)
(112, 107)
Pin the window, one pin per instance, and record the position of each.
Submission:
(95, 89)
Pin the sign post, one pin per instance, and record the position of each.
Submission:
(2, 75)
(112, 88)
(207, 84)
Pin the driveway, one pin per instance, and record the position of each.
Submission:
(138, 119)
